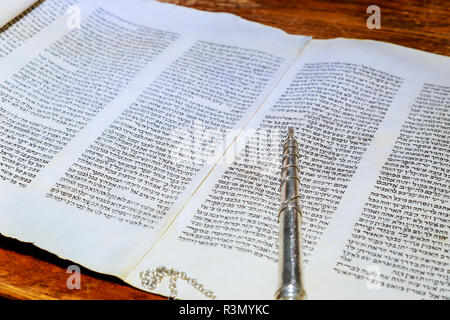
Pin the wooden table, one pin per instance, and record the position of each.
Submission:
(419, 24)
(27, 272)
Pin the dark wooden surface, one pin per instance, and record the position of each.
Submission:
(419, 24)
(27, 272)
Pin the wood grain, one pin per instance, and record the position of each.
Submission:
(27, 272)
(419, 24)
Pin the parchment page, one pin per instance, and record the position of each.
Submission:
(9, 9)
(97, 122)
(27, 26)
(389, 237)
(346, 100)
(46, 12)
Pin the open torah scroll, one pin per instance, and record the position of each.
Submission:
(150, 135)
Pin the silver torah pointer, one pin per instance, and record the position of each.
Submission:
(290, 219)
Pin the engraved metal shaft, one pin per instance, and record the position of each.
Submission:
(290, 219)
